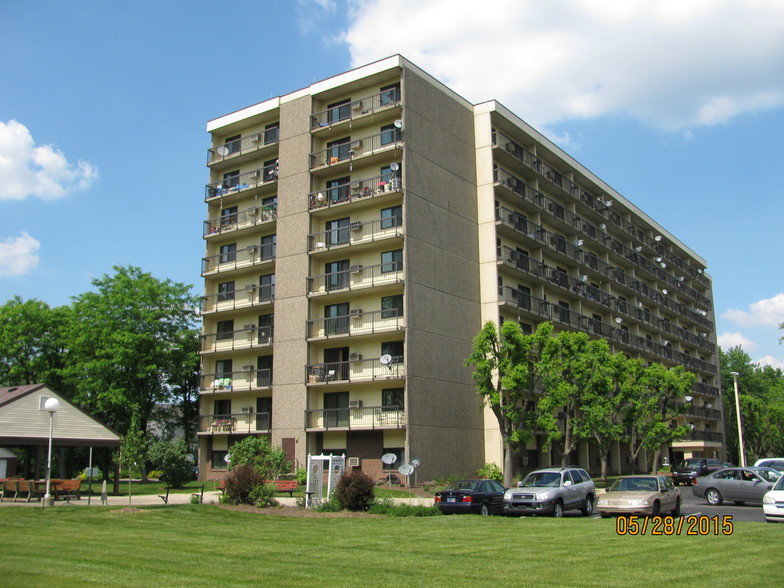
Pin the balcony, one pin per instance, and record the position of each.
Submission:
(251, 337)
(711, 436)
(703, 412)
(354, 190)
(253, 145)
(326, 119)
(356, 323)
(245, 219)
(363, 419)
(359, 370)
(237, 381)
(340, 157)
(252, 295)
(245, 422)
(356, 233)
(356, 277)
(263, 176)
(250, 256)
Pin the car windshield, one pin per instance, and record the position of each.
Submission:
(769, 474)
(690, 463)
(635, 485)
(780, 484)
(464, 485)
(541, 480)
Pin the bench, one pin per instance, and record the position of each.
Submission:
(280, 485)
(199, 495)
(165, 497)
(67, 489)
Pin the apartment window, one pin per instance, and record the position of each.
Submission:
(391, 217)
(267, 287)
(228, 253)
(231, 179)
(564, 312)
(394, 398)
(264, 371)
(268, 247)
(390, 176)
(266, 328)
(271, 133)
(337, 318)
(263, 414)
(389, 94)
(270, 170)
(219, 460)
(223, 368)
(393, 348)
(392, 261)
(224, 330)
(522, 259)
(336, 274)
(228, 218)
(225, 291)
(338, 111)
(338, 189)
(338, 150)
(391, 306)
(559, 242)
(233, 144)
(622, 304)
(336, 409)
(526, 328)
(222, 407)
(337, 231)
(389, 134)
(523, 296)
(596, 324)
(400, 452)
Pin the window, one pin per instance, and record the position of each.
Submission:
(523, 296)
(263, 414)
(391, 306)
(336, 409)
(338, 189)
(400, 452)
(338, 150)
(223, 368)
(225, 291)
(231, 179)
(228, 253)
(219, 460)
(388, 175)
(564, 313)
(225, 330)
(268, 247)
(228, 217)
(338, 111)
(336, 274)
(264, 371)
(392, 261)
(337, 231)
(390, 94)
(233, 144)
(393, 348)
(271, 133)
(266, 328)
(267, 287)
(222, 407)
(391, 217)
(389, 134)
(337, 318)
(393, 398)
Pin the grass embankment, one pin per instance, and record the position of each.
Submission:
(203, 545)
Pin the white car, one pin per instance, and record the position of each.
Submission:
(773, 503)
(777, 463)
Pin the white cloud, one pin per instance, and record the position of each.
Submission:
(43, 171)
(727, 340)
(672, 64)
(768, 312)
(311, 12)
(771, 361)
(18, 255)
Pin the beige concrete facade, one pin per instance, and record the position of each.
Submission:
(359, 233)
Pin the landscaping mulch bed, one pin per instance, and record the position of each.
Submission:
(293, 511)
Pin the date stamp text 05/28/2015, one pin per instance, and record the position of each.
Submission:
(667, 526)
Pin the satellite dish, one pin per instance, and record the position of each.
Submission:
(406, 469)
(385, 359)
(398, 123)
(389, 458)
(320, 197)
(223, 151)
(227, 459)
(394, 166)
(415, 463)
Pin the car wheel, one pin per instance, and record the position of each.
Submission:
(588, 508)
(676, 512)
(713, 497)
(656, 509)
(558, 509)
(485, 510)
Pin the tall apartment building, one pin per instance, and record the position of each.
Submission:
(359, 233)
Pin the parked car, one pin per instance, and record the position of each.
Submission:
(777, 463)
(773, 503)
(640, 495)
(471, 496)
(737, 484)
(689, 469)
(552, 491)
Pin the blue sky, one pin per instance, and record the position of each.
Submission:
(677, 104)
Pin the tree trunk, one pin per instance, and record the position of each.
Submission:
(509, 462)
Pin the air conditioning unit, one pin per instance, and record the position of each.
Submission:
(256, 138)
(354, 356)
(251, 248)
(353, 462)
(356, 269)
(253, 211)
(356, 105)
(355, 312)
(248, 368)
(355, 185)
(510, 182)
(250, 287)
(254, 175)
(356, 144)
(247, 409)
(320, 244)
(356, 226)
(355, 404)
(250, 327)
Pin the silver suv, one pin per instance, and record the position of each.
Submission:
(552, 491)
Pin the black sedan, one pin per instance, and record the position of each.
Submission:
(471, 496)
(737, 484)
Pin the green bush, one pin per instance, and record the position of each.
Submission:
(490, 471)
(302, 476)
(331, 505)
(270, 462)
(263, 495)
(155, 474)
(355, 491)
(173, 461)
(388, 508)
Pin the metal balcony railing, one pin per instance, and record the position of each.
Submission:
(249, 337)
(237, 183)
(243, 380)
(250, 217)
(705, 436)
(246, 297)
(356, 323)
(357, 370)
(370, 417)
(351, 110)
(243, 145)
(245, 422)
(356, 276)
(241, 258)
(356, 232)
(356, 148)
(354, 190)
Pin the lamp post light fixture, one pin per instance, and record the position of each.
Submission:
(52, 405)
(741, 453)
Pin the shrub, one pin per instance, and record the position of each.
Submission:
(270, 462)
(355, 491)
(389, 508)
(173, 461)
(240, 484)
(263, 495)
(331, 505)
(155, 474)
(490, 471)
(302, 476)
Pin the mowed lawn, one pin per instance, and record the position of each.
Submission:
(204, 545)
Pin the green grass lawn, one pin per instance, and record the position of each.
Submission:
(203, 545)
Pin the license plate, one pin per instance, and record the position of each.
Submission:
(451, 499)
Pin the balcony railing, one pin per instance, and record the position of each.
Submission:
(371, 417)
(246, 422)
(234, 184)
(356, 276)
(351, 110)
(244, 380)
(243, 145)
(247, 338)
(250, 217)
(231, 260)
(354, 190)
(250, 295)
(356, 148)
(356, 323)
(705, 436)
(358, 370)
(704, 412)
(356, 232)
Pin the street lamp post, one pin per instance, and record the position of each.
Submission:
(741, 453)
(52, 405)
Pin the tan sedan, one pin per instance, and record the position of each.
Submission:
(640, 495)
